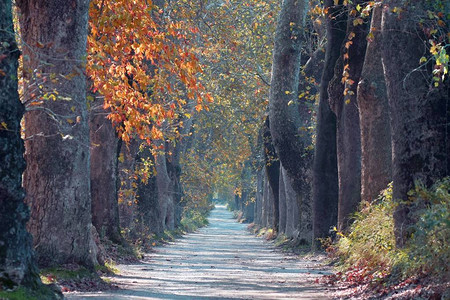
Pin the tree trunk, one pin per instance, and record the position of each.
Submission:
(289, 117)
(127, 191)
(325, 179)
(17, 265)
(259, 196)
(376, 152)
(282, 204)
(148, 198)
(105, 149)
(57, 134)
(165, 199)
(272, 166)
(342, 99)
(419, 111)
(292, 207)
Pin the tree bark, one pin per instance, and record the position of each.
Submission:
(272, 166)
(325, 179)
(343, 101)
(292, 207)
(376, 152)
(148, 199)
(290, 118)
(282, 204)
(165, 199)
(17, 264)
(259, 196)
(57, 132)
(105, 149)
(419, 111)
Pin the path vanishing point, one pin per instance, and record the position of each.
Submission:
(220, 261)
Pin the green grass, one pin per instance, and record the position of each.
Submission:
(52, 275)
(19, 294)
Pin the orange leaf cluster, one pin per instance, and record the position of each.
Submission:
(143, 66)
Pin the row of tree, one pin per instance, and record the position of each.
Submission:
(382, 115)
(85, 64)
(312, 114)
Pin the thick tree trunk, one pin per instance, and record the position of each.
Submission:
(343, 101)
(325, 179)
(376, 152)
(127, 192)
(292, 207)
(289, 118)
(165, 199)
(57, 134)
(419, 111)
(105, 148)
(272, 166)
(17, 265)
(148, 199)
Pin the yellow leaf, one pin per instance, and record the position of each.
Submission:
(4, 125)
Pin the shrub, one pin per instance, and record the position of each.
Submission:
(370, 241)
(428, 250)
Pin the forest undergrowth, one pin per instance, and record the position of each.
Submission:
(369, 264)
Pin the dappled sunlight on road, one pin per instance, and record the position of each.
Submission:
(221, 261)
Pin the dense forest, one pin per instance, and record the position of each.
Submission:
(325, 124)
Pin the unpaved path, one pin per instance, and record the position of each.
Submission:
(221, 261)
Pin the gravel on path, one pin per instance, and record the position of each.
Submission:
(220, 261)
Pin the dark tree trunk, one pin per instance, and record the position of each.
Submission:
(325, 179)
(165, 199)
(105, 149)
(289, 118)
(127, 183)
(149, 214)
(282, 204)
(292, 207)
(376, 152)
(174, 172)
(57, 134)
(17, 265)
(272, 166)
(259, 196)
(343, 101)
(419, 111)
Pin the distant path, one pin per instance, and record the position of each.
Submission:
(221, 261)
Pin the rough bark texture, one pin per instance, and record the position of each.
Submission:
(272, 166)
(105, 148)
(149, 214)
(419, 111)
(282, 204)
(292, 207)
(57, 134)
(343, 102)
(376, 152)
(165, 199)
(126, 168)
(17, 265)
(289, 118)
(325, 179)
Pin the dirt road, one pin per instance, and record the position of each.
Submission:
(221, 261)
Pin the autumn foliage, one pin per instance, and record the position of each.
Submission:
(143, 66)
